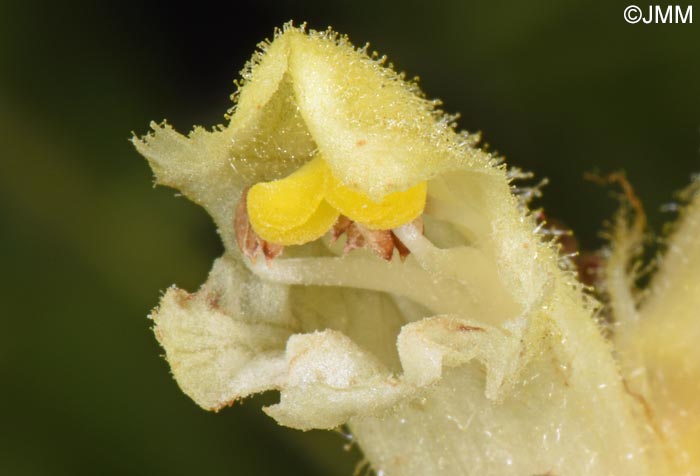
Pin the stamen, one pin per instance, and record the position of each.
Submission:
(249, 242)
(406, 280)
(380, 242)
(469, 268)
(340, 227)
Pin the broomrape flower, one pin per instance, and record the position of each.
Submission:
(408, 293)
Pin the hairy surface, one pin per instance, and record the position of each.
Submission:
(477, 354)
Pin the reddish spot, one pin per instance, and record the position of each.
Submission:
(212, 299)
(293, 360)
(361, 142)
(466, 328)
(183, 297)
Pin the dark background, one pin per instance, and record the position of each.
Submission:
(87, 245)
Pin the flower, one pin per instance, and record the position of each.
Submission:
(478, 354)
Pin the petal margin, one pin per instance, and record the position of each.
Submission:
(223, 346)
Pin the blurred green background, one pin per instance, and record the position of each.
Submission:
(87, 244)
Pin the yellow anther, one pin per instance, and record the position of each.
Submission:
(291, 211)
(314, 228)
(394, 210)
(303, 206)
